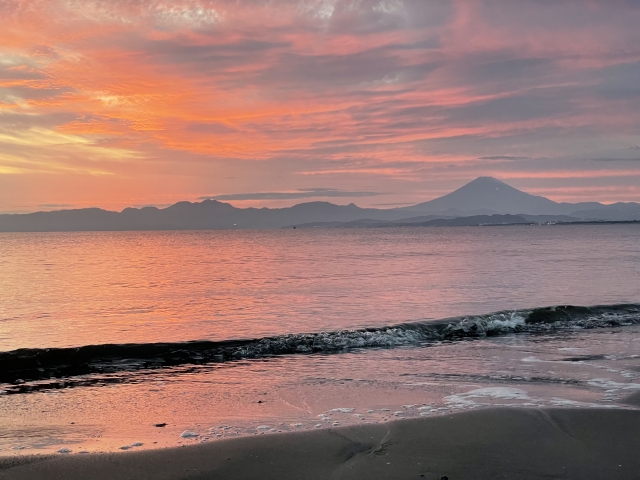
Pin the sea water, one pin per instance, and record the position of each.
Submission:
(137, 340)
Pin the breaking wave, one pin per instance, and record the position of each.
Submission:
(25, 369)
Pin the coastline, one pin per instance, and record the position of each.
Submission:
(513, 443)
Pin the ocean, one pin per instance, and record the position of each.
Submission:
(135, 340)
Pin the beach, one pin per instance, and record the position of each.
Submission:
(319, 239)
(247, 333)
(510, 443)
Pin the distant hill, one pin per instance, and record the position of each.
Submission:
(472, 221)
(206, 215)
(484, 196)
(613, 212)
(437, 221)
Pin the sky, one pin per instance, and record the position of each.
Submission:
(116, 103)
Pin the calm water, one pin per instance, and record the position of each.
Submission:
(61, 290)
(70, 289)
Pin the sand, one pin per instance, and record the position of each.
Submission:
(509, 443)
(633, 399)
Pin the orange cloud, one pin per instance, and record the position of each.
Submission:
(148, 92)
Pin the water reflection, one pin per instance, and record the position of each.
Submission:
(68, 289)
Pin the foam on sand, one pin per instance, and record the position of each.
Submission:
(509, 443)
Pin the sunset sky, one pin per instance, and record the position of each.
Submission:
(116, 103)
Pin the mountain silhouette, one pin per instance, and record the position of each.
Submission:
(482, 196)
(206, 215)
(488, 195)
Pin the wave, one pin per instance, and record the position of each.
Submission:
(25, 368)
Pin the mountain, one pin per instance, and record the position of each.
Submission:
(482, 196)
(487, 195)
(206, 215)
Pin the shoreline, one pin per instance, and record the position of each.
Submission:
(26, 370)
(513, 443)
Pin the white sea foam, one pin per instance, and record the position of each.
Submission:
(502, 393)
(610, 384)
(341, 410)
(563, 402)
(506, 321)
(189, 434)
(532, 360)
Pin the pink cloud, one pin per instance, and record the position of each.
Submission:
(145, 91)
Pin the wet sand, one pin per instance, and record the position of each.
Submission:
(633, 399)
(509, 443)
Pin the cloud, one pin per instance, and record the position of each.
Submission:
(502, 157)
(209, 56)
(213, 127)
(163, 98)
(620, 82)
(294, 195)
(617, 159)
(513, 108)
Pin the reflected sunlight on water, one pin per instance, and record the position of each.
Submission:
(69, 289)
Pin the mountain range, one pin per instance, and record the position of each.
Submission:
(484, 196)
